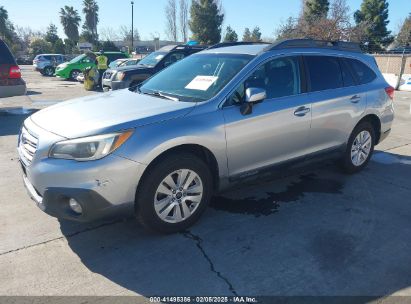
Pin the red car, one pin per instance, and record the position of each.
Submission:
(11, 83)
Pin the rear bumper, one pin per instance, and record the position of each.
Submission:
(13, 90)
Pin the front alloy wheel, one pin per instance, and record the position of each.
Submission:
(178, 196)
(174, 193)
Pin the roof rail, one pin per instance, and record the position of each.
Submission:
(227, 44)
(311, 43)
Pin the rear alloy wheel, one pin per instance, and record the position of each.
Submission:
(360, 148)
(48, 71)
(174, 194)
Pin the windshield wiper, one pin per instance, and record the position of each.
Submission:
(162, 95)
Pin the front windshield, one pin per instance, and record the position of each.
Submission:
(196, 78)
(152, 59)
(78, 58)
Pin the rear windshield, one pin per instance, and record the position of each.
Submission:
(5, 55)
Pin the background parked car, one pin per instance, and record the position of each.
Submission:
(116, 63)
(11, 83)
(71, 69)
(129, 62)
(129, 76)
(46, 63)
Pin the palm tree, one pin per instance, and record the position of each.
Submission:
(90, 9)
(70, 20)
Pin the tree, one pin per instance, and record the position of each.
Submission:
(247, 35)
(315, 9)
(230, 35)
(206, 21)
(184, 20)
(256, 35)
(288, 29)
(109, 46)
(59, 47)
(90, 10)
(125, 34)
(40, 46)
(404, 36)
(109, 34)
(171, 19)
(51, 34)
(375, 14)
(70, 20)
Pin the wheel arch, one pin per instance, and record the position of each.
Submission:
(197, 150)
(375, 122)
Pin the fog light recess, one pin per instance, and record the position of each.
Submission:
(75, 206)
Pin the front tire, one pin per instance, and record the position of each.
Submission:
(174, 193)
(74, 74)
(360, 148)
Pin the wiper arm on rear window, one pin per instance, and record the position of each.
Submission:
(161, 95)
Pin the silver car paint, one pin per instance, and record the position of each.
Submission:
(239, 143)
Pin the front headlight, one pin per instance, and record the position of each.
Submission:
(120, 76)
(89, 148)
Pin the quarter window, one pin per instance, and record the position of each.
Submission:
(324, 73)
(363, 73)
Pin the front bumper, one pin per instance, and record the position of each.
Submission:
(103, 187)
(114, 85)
(55, 202)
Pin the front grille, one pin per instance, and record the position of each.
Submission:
(27, 146)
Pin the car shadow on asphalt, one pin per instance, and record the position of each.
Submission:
(11, 119)
(316, 233)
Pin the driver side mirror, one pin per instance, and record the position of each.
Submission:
(252, 96)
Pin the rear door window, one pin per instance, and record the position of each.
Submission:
(347, 74)
(363, 73)
(324, 73)
(5, 55)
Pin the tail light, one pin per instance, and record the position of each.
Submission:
(390, 92)
(14, 72)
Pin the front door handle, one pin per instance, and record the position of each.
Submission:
(302, 111)
(355, 99)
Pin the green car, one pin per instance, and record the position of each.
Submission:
(71, 69)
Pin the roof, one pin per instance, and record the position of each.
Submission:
(248, 49)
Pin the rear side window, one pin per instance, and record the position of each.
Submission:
(363, 73)
(324, 73)
(5, 55)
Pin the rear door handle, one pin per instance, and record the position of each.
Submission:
(302, 111)
(355, 99)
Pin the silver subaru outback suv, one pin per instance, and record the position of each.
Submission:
(161, 149)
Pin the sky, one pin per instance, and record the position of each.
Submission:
(150, 21)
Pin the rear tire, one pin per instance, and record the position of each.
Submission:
(359, 149)
(174, 193)
(48, 71)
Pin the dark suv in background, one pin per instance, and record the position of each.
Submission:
(129, 76)
(11, 83)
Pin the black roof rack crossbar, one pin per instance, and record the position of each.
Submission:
(311, 43)
(227, 44)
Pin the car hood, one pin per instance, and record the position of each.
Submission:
(137, 67)
(108, 112)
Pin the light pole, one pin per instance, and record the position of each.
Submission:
(132, 26)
